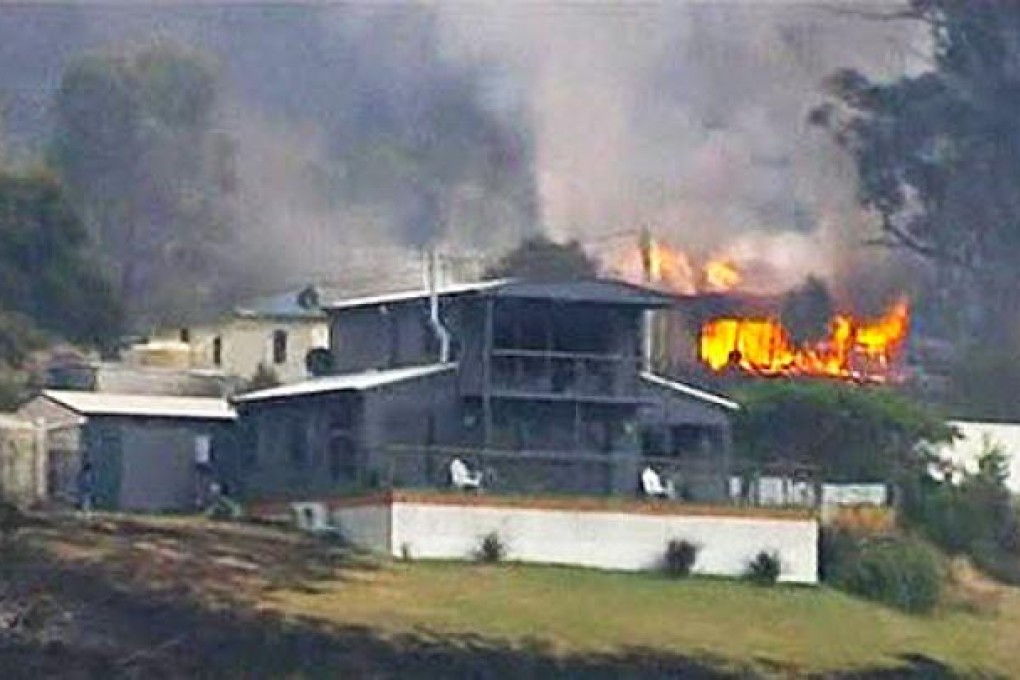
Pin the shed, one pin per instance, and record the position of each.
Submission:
(148, 453)
(19, 471)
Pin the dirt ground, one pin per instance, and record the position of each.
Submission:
(179, 597)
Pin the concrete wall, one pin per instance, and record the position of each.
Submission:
(617, 540)
(367, 526)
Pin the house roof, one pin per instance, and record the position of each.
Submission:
(415, 294)
(602, 291)
(142, 405)
(301, 303)
(605, 291)
(348, 382)
(692, 392)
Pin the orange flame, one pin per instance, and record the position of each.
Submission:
(675, 270)
(722, 275)
(855, 349)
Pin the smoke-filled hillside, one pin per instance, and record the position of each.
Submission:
(334, 130)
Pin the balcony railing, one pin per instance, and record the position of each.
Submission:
(695, 479)
(702, 480)
(565, 374)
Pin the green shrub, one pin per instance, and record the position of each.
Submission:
(679, 558)
(764, 569)
(836, 547)
(900, 572)
(492, 549)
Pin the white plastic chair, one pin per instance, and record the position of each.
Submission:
(652, 484)
(462, 478)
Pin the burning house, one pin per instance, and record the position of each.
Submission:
(732, 321)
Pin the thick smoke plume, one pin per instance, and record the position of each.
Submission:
(363, 133)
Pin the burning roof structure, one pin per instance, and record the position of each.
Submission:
(732, 321)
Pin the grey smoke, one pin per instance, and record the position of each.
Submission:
(470, 125)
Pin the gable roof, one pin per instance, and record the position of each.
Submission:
(348, 382)
(142, 405)
(689, 391)
(605, 291)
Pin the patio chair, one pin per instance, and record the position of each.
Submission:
(462, 478)
(652, 485)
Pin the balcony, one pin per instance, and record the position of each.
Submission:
(564, 375)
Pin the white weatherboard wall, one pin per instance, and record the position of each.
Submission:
(605, 540)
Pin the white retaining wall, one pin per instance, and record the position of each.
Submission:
(629, 541)
(366, 526)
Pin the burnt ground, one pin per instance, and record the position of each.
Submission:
(128, 598)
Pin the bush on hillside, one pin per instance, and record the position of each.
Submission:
(764, 569)
(901, 572)
(836, 548)
(491, 549)
(679, 558)
(975, 515)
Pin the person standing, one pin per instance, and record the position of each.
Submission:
(86, 487)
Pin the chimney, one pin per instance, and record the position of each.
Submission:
(432, 283)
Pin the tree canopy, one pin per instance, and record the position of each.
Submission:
(938, 154)
(850, 433)
(541, 259)
(47, 278)
(136, 144)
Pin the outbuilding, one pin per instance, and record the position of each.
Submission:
(144, 452)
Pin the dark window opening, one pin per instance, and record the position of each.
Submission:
(279, 347)
(217, 351)
(185, 335)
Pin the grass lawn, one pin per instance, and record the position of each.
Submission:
(798, 629)
(384, 618)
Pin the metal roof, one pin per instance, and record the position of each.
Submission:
(692, 392)
(348, 382)
(604, 291)
(142, 405)
(416, 294)
(599, 291)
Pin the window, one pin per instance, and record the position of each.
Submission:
(279, 347)
(184, 335)
(203, 449)
(217, 351)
